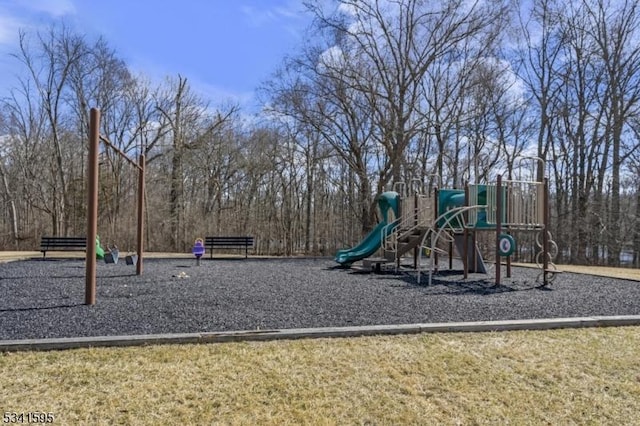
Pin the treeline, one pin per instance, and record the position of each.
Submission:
(382, 91)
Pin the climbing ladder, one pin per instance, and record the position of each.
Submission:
(415, 220)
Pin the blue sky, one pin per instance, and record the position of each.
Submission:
(225, 48)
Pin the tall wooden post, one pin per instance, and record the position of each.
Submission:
(506, 209)
(434, 253)
(92, 206)
(140, 236)
(416, 251)
(465, 235)
(498, 225)
(545, 235)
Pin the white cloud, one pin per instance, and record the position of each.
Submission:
(257, 17)
(54, 8)
(156, 74)
(290, 10)
(331, 59)
(347, 9)
(218, 95)
(509, 80)
(20, 15)
(9, 26)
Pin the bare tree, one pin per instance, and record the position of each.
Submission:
(49, 62)
(615, 28)
(312, 90)
(401, 41)
(7, 193)
(190, 125)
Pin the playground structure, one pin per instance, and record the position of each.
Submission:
(419, 220)
(93, 250)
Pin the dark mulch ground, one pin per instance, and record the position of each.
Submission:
(41, 299)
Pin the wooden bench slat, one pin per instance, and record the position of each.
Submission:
(50, 243)
(229, 242)
(62, 243)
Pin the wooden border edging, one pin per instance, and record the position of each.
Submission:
(306, 333)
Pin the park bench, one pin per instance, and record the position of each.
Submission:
(229, 242)
(62, 244)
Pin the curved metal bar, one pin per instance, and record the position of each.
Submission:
(454, 213)
(522, 158)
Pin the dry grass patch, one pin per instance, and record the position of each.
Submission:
(587, 376)
(601, 271)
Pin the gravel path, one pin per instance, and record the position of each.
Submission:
(42, 299)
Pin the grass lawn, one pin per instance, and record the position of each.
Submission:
(573, 376)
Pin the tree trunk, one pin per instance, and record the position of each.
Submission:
(13, 216)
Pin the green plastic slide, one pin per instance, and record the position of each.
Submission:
(367, 247)
(374, 239)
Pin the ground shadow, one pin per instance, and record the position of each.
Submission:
(43, 308)
(442, 284)
(106, 277)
